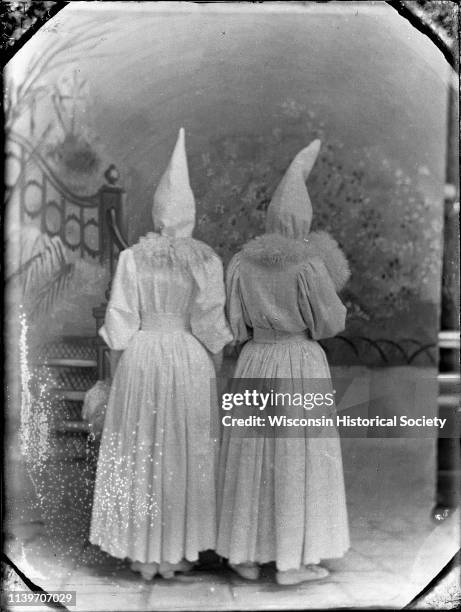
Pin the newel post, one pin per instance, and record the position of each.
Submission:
(111, 198)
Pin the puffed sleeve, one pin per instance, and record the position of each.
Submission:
(208, 321)
(122, 319)
(323, 312)
(234, 304)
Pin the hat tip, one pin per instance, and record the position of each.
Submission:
(181, 138)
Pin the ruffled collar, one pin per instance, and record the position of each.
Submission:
(275, 250)
(172, 251)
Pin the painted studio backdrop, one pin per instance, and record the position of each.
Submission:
(94, 103)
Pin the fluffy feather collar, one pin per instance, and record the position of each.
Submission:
(167, 251)
(281, 252)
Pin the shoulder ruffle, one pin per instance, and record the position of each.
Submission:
(275, 250)
(165, 251)
(279, 251)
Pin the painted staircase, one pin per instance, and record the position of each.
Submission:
(71, 365)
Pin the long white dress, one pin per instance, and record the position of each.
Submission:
(282, 499)
(154, 498)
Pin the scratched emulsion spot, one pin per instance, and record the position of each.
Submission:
(35, 403)
(25, 383)
(61, 482)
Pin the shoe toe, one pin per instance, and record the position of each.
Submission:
(304, 574)
(248, 572)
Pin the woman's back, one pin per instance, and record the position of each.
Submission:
(163, 282)
(166, 313)
(168, 272)
(280, 284)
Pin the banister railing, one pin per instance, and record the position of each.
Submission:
(117, 236)
(91, 226)
(115, 240)
(112, 237)
(80, 221)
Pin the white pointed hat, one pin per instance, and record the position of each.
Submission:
(173, 211)
(290, 210)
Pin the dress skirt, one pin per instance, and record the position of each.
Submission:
(281, 499)
(155, 495)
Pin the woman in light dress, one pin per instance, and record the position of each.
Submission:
(154, 498)
(282, 498)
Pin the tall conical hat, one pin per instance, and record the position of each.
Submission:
(290, 210)
(173, 211)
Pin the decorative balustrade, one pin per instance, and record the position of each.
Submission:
(90, 226)
(80, 221)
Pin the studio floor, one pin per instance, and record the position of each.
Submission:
(396, 549)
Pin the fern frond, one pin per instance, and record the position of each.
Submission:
(52, 258)
(44, 277)
(23, 268)
(47, 296)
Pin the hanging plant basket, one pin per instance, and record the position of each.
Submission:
(76, 161)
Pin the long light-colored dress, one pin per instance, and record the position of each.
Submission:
(281, 499)
(154, 498)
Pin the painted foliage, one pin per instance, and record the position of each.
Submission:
(249, 101)
(388, 227)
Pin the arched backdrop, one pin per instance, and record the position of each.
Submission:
(251, 84)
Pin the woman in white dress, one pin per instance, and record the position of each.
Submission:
(154, 498)
(282, 498)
